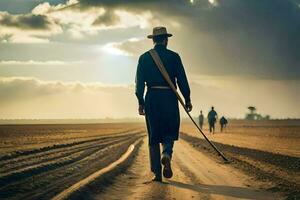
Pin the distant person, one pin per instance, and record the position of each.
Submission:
(223, 123)
(160, 105)
(201, 119)
(212, 118)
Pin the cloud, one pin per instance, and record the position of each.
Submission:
(80, 22)
(38, 26)
(72, 18)
(132, 46)
(30, 21)
(233, 37)
(26, 28)
(256, 38)
(22, 97)
(14, 88)
(30, 87)
(107, 19)
(44, 8)
(34, 62)
(214, 37)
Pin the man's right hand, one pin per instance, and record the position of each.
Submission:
(141, 110)
(189, 106)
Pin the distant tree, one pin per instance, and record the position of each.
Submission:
(252, 109)
(249, 116)
(258, 117)
(252, 115)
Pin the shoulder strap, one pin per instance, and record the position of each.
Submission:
(161, 67)
(164, 73)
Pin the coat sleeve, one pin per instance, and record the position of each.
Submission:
(140, 83)
(182, 81)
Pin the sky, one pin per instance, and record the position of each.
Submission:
(76, 59)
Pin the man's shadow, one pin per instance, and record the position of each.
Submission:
(232, 191)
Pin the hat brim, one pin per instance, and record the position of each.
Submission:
(152, 36)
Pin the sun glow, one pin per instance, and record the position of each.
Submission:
(112, 48)
(213, 2)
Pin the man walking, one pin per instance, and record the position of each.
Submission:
(212, 118)
(201, 119)
(160, 105)
(223, 123)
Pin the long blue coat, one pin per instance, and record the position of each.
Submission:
(161, 105)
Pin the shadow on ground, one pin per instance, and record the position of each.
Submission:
(237, 192)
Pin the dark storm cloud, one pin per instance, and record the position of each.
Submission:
(257, 38)
(28, 21)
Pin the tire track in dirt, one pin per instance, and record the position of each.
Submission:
(13, 156)
(77, 171)
(42, 167)
(67, 193)
(49, 178)
(54, 152)
(35, 161)
(53, 149)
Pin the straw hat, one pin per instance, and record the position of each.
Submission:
(157, 31)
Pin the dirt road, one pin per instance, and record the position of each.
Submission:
(196, 176)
